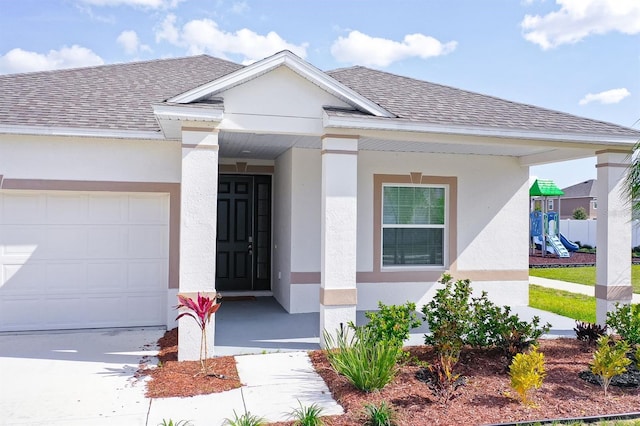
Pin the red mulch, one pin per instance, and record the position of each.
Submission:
(172, 378)
(483, 399)
(552, 260)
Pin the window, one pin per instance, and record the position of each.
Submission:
(594, 204)
(414, 221)
(550, 205)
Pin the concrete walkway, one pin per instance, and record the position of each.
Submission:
(571, 287)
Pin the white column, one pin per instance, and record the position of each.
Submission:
(198, 222)
(338, 293)
(613, 258)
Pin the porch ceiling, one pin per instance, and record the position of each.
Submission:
(270, 146)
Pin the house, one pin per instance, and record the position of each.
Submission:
(583, 195)
(122, 185)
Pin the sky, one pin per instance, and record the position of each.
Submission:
(577, 56)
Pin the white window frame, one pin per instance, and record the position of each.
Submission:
(550, 205)
(445, 226)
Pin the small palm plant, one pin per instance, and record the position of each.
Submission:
(201, 311)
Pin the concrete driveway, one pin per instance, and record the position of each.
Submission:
(74, 378)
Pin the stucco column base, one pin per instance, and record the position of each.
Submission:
(189, 339)
(335, 319)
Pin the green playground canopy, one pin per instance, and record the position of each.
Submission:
(544, 188)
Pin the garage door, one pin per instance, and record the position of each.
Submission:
(82, 260)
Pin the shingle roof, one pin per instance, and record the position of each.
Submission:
(431, 103)
(544, 188)
(116, 97)
(581, 190)
(120, 97)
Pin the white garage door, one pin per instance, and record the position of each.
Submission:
(82, 260)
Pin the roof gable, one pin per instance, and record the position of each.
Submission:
(295, 64)
(544, 188)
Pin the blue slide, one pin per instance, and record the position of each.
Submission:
(570, 245)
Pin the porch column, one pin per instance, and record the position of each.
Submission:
(338, 293)
(198, 203)
(613, 238)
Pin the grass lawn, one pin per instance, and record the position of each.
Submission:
(576, 306)
(582, 275)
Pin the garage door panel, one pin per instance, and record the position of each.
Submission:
(143, 275)
(66, 277)
(22, 209)
(20, 240)
(22, 278)
(147, 209)
(106, 209)
(106, 242)
(82, 260)
(66, 209)
(147, 241)
(108, 277)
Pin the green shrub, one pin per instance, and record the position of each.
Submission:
(579, 214)
(448, 316)
(527, 372)
(609, 360)
(307, 416)
(170, 422)
(625, 321)
(380, 415)
(392, 323)
(455, 319)
(367, 364)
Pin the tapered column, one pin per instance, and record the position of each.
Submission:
(198, 222)
(338, 293)
(613, 258)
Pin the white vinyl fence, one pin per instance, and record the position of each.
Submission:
(585, 231)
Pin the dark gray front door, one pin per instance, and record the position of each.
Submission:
(244, 233)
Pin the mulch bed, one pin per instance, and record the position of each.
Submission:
(576, 259)
(172, 378)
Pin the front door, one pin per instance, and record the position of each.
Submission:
(244, 233)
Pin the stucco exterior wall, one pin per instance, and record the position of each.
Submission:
(281, 271)
(58, 158)
(491, 232)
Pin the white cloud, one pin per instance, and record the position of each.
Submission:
(578, 19)
(204, 36)
(145, 4)
(374, 51)
(612, 96)
(240, 7)
(19, 60)
(130, 42)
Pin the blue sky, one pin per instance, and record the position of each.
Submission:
(577, 56)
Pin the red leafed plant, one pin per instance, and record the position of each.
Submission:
(201, 311)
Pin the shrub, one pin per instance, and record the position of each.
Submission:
(527, 372)
(448, 316)
(579, 214)
(588, 332)
(307, 416)
(247, 419)
(392, 323)
(380, 415)
(456, 320)
(367, 364)
(170, 422)
(441, 378)
(625, 321)
(609, 360)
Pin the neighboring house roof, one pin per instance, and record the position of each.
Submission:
(121, 96)
(544, 188)
(586, 189)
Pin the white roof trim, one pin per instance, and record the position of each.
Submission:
(188, 112)
(293, 62)
(79, 132)
(373, 123)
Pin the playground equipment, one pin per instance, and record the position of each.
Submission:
(544, 225)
